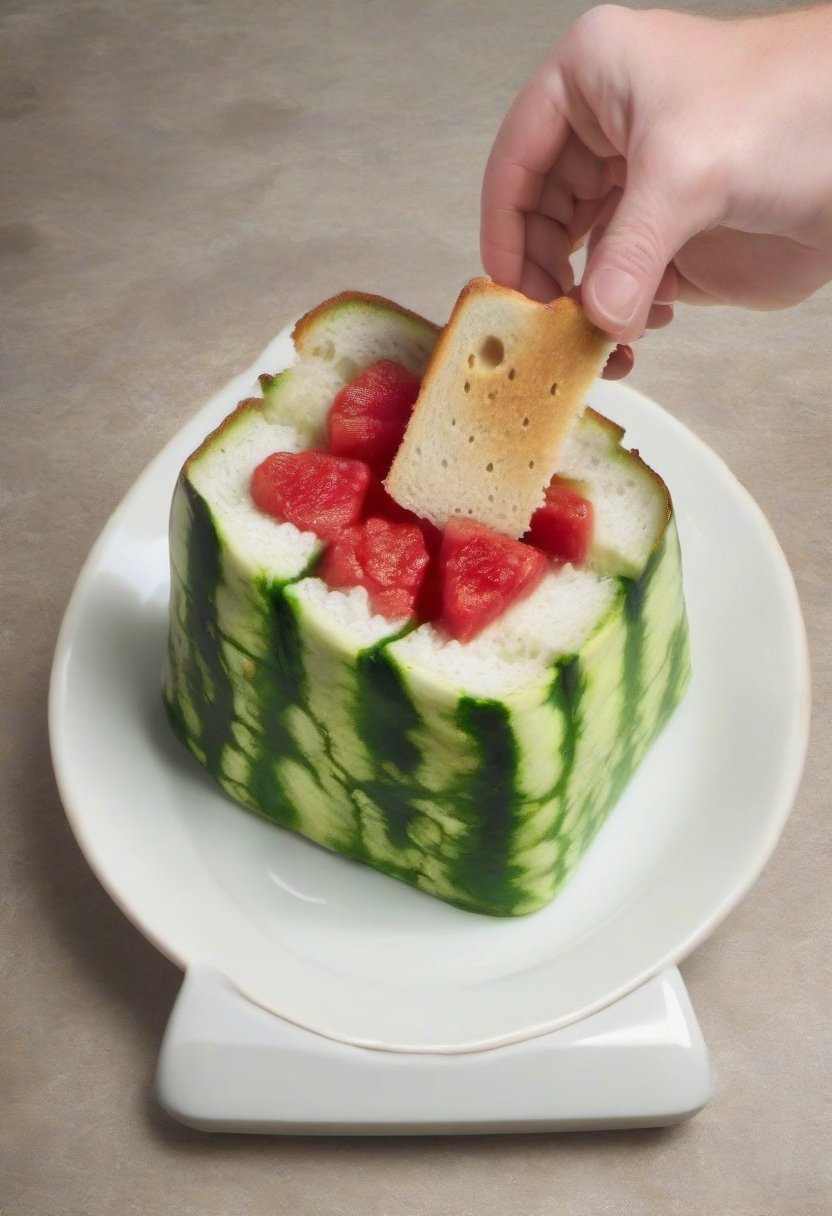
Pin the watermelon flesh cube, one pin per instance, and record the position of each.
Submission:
(563, 526)
(379, 502)
(482, 574)
(315, 491)
(389, 559)
(369, 415)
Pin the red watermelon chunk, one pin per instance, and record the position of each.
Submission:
(429, 599)
(368, 417)
(482, 574)
(314, 491)
(562, 527)
(389, 559)
(379, 502)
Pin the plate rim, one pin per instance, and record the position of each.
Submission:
(781, 805)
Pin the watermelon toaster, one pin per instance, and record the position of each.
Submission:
(426, 608)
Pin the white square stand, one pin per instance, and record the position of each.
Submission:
(228, 1065)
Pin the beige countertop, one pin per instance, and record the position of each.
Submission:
(179, 179)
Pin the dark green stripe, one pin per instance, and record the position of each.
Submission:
(203, 576)
(482, 874)
(635, 595)
(386, 719)
(679, 669)
(565, 696)
(279, 685)
(386, 714)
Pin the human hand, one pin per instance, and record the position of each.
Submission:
(692, 155)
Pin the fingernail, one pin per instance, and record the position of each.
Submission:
(616, 294)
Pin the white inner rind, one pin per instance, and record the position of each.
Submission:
(345, 613)
(519, 648)
(512, 653)
(629, 506)
(222, 476)
(355, 337)
(335, 349)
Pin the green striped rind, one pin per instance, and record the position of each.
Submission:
(515, 789)
(198, 687)
(485, 803)
(232, 664)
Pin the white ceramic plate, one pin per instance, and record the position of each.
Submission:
(356, 956)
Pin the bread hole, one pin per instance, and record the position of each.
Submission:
(470, 510)
(490, 497)
(492, 351)
(470, 360)
(526, 421)
(453, 422)
(444, 464)
(492, 395)
(511, 373)
(531, 464)
(470, 438)
(418, 451)
(553, 390)
(489, 468)
(467, 386)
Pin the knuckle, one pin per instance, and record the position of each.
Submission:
(599, 27)
(699, 176)
(638, 246)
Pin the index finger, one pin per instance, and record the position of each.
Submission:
(530, 140)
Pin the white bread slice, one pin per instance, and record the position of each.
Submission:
(507, 379)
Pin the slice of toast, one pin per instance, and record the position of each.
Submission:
(506, 380)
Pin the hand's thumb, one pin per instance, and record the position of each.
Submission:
(629, 257)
